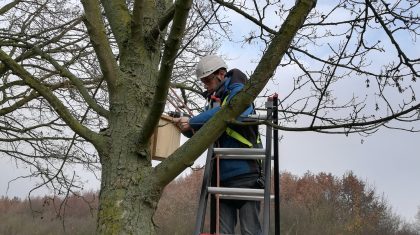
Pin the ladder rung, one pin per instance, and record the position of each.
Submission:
(255, 117)
(245, 157)
(239, 151)
(235, 191)
(242, 197)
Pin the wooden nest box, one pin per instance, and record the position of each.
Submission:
(165, 140)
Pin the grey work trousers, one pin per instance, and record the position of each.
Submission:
(248, 211)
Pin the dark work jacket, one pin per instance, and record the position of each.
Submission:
(234, 82)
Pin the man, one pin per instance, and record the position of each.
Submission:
(220, 87)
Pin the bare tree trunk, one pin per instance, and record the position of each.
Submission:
(128, 196)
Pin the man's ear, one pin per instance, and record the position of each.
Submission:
(221, 74)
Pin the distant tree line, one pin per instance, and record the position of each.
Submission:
(310, 204)
(74, 215)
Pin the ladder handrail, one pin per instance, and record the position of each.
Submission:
(233, 191)
(267, 173)
(276, 167)
(239, 151)
(242, 197)
(203, 195)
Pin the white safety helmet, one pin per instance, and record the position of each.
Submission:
(208, 65)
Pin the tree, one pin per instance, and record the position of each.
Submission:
(322, 203)
(74, 79)
(179, 200)
(416, 224)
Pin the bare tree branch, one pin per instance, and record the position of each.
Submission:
(9, 6)
(53, 100)
(171, 48)
(76, 81)
(118, 16)
(100, 42)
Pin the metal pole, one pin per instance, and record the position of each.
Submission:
(217, 196)
(201, 212)
(276, 168)
(267, 171)
(213, 201)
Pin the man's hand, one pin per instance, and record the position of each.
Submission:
(182, 123)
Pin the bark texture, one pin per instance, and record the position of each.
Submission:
(128, 195)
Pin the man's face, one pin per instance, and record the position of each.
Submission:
(212, 81)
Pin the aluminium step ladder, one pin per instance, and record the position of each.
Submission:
(209, 185)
